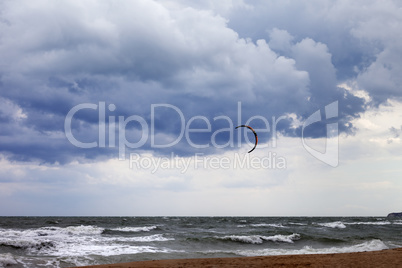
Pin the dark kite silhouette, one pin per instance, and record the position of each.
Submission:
(255, 134)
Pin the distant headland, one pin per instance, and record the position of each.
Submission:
(394, 215)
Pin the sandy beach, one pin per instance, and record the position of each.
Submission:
(383, 258)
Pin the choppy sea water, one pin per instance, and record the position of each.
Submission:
(77, 241)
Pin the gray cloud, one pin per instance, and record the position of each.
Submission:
(202, 59)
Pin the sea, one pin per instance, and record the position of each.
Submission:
(77, 241)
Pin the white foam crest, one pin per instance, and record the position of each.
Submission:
(268, 225)
(251, 239)
(149, 238)
(298, 223)
(369, 223)
(282, 238)
(101, 246)
(28, 262)
(135, 229)
(101, 249)
(76, 241)
(23, 239)
(7, 259)
(16, 233)
(80, 230)
(257, 239)
(39, 239)
(336, 224)
(44, 231)
(372, 245)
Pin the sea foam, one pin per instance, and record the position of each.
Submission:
(372, 245)
(336, 224)
(259, 239)
(268, 225)
(77, 241)
(369, 223)
(135, 229)
(7, 259)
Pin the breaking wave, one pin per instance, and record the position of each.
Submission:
(336, 224)
(135, 229)
(258, 239)
(372, 245)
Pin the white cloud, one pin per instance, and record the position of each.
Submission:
(10, 110)
(280, 40)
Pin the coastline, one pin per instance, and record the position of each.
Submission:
(382, 258)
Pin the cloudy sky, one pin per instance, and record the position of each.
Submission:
(130, 107)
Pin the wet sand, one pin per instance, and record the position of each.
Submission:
(383, 258)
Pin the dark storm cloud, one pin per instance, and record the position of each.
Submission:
(127, 57)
